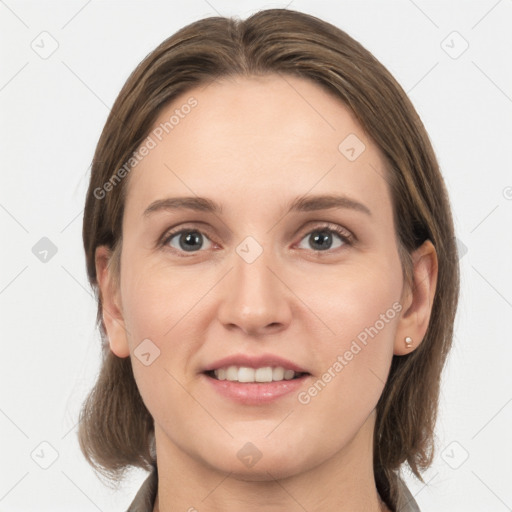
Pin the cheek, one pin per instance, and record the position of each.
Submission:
(359, 311)
(355, 299)
(156, 300)
(157, 314)
(162, 313)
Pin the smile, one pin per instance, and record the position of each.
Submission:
(246, 374)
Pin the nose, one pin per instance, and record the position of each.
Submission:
(255, 298)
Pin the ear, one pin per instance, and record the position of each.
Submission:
(417, 301)
(110, 295)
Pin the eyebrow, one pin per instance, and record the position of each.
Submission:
(300, 204)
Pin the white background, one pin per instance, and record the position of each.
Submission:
(52, 113)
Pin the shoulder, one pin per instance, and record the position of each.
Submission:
(406, 501)
(145, 498)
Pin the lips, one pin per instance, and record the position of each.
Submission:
(245, 379)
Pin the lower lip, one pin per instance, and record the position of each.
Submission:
(255, 393)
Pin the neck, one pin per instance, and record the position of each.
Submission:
(343, 483)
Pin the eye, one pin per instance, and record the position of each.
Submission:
(187, 240)
(321, 238)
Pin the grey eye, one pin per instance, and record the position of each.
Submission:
(189, 240)
(322, 239)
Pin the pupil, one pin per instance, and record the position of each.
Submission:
(323, 239)
(187, 241)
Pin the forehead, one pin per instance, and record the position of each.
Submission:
(239, 138)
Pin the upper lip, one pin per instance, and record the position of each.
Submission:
(254, 362)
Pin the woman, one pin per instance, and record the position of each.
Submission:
(273, 249)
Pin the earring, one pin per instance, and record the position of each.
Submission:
(408, 342)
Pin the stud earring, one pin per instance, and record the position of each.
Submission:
(408, 342)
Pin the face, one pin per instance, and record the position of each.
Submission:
(275, 279)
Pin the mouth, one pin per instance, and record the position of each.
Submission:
(245, 374)
(255, 386)
(255, 379)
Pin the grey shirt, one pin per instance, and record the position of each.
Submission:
(144, 500)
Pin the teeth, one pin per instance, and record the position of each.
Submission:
(231, 373)
(263, 374)
(278, 373)
(245, 374)
(288, 374)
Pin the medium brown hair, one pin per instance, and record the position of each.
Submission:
(116, 430)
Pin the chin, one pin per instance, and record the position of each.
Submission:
(266, 465)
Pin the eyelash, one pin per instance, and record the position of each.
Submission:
(346, 237)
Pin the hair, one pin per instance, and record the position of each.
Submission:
(116, 430)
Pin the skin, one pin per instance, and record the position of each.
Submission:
(253, 145)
